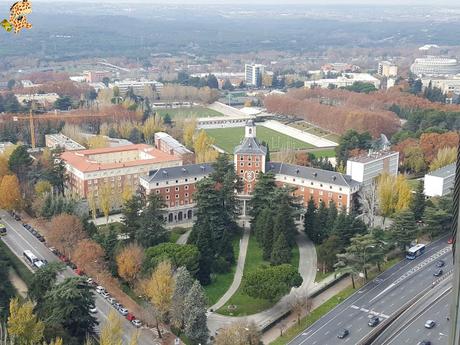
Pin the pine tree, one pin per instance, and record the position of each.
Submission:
(263, 221)
(418, 201)
(331, 216)
(204, 245)
(284, 217)
(322, 221)
(403, 230)
(151, 228)
(267, 242)
(263, 195)
(196, 328)
(281, 253)
(309, 222)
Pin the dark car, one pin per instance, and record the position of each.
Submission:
(34, 232)
(2, 231)
(440, 263)
(16, 217)
(343, 333)
(373, 321)
(424, 342)
(41, 238)
(438, 273)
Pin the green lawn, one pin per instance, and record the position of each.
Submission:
(228, 138)
(248, 305)
(315, 315)
(177, 232)
(306, 127)
(321, 276)
(221, 282)
(188, 112)
(324, 153)
(413, 184)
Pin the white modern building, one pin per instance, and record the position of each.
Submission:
(435, 66)
(222, 121)
(367, 167)
(45, 98)
(137, 86)
(447, 85)
(387, 69)
(347, 79)
(440, 182)
(253, 74)
(61, 141)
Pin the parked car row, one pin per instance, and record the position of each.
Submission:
(34, 232)
(118, 306)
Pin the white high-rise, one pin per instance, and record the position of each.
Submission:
(253, 74)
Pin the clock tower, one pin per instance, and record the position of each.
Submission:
(249, 159)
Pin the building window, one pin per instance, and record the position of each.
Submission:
(177, 189)
(167, 197)
(177, 196)
(158, 184)
(186, 180)
(321, 185)
(293, 180)
(340, 197)
(186, 201)
(241, 171)
(340, 204)
(177, 203)
(285, 177)
(241, 164)
(249, 164)
(186, 194)
(157, 191)
(186, 187)
(330, 187)
(167, 182)
(340, 188)
(177, 181)
(241, 158)
(320, 200)
(195, 178)
(167, 190)
(249, 158)
(257, 165)
(311, 183)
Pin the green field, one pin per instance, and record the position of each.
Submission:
(248, 305)
(194, 112)
(306, 127)
(228, 138)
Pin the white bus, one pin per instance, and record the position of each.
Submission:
(30, 257)
(415, 251)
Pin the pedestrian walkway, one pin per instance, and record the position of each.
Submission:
(184, 237)
(238, 273)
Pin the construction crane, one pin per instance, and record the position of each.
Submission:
(31, 124)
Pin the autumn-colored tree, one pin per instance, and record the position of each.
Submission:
(97, 142)
(10, 193)
(89, 255)
(42, 188)
(203, 148)
(106, 199)
(24, 327)
(66, 231)
(129, 262)
(152, 125)
(160, 288)
(92, 203)
(111, 332)
(386, 195)
(127, 192)
(189, 132)
(445, 156)
(239, 333)
(4, 170)
(403, 193)
(431, 143)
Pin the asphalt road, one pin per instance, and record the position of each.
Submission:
(381, 297)
(414, 330)
(19, 239)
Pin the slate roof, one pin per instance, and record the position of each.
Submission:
(250, 146)
(312, 174)
(184, 171)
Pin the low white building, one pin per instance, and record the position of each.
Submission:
(137, 86)
(347, 79)
(222, 121)
(45, 98)
(447, 85)
(367, 167)
(440, 182)
(61, 141)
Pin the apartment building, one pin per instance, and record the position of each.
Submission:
(59, 140)
(387, 69)
(166, 143)
(440, 182)
(253, 74)
(366, 168)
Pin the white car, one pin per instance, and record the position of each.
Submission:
(105, 294)
(100, 289)
(112, 300)
(430, 324)
(136, 323)
(93, 310)
(123, 311)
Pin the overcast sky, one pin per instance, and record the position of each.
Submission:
(455, 3)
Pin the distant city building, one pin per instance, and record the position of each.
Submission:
(96, 76)
(435, 66)
(347, 79)
(59, 140)
(366, 168)
(222, 121)
(46, 99)
(387, 69)
(166, 143)
(440, 182)
(339, 67)
(112, 142)
(28, 83)
(137, 86)
(89, 171)
(253, 74)
(447, 85)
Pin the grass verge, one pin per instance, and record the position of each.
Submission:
(222, 281)
(321, 276)
(248, 305)
(20, 268)
(192, 112)
(177, 232)
(315, 315)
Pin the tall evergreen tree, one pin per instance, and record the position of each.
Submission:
(151, 228)
(309, 222)
(131, 216)
(263, 222)
(403, 230)
(281, 252)
(331, 216)
(267, 242)
(20, 162)
(184, 282)
(284, 217)
(262, 196)
(322, 221)
(418, 201)
(196, 328)
(204, 244)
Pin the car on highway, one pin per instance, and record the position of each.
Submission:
(424, 342)
(430, 324)
(343, 333)
(136, 323)
(438, 273)
(440, 263)
(373, 321)
(123, 311)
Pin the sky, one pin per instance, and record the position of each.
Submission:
(277, 2)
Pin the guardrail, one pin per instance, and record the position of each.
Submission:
(376, 332)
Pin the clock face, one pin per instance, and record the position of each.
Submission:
(249, 176)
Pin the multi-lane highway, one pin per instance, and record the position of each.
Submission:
(410, 328)
(381, 297)
(19, 239)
